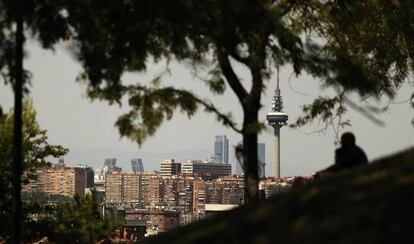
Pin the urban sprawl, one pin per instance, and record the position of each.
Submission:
(152, 202)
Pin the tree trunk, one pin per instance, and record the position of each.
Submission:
(251, 105)
(250, 161)
(17, 133)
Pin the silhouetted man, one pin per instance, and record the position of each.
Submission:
(347, 156)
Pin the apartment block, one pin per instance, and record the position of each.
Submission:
(139, 189)
(67, 181)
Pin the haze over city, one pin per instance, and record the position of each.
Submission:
(87, 128)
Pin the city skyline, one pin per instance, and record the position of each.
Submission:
(91, 124)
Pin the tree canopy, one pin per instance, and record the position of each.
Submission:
(37, 151)
(342, 43)
(371, 43)
(350, 45)
(80, 222)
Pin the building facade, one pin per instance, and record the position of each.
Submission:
(137, 165)
(169, 167)
(110, 162)
(60, 180)
(210, 169)
(89, 175)
(138, 189)
(156, 219)
(221, 149)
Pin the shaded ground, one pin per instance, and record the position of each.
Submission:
(373, 204)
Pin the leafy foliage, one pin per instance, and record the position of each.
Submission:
(340, 42)
(79, 222)
(329, 111)
(36, 151)
(368, 43)
(356, 46)
(121, 36)
(44, 21)
(43, 198)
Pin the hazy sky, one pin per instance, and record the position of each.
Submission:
(77, 123)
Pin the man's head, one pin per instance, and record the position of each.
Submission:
(347, 139)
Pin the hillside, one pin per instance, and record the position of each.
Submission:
(373, 204)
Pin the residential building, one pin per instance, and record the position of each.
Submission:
(114, 187)
(59, 179)
(156, 219)
(138, 189)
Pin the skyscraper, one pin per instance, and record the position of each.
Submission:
(261, 152)
(137, 165)
(261, 156)
(110, 162)
(221, 149)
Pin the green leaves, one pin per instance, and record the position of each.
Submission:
(80, 222)
(36, 151)
(328, 111)
(216, 83)
(150, 107)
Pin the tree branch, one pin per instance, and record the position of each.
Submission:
(238, 58)
(231, 77)
(225, 119)
(364, 112)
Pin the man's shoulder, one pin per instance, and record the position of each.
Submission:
(356, 148)
(359, 152)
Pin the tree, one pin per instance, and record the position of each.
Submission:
(80, 222)
(121, 36)
(323, 38)
(371, 44)
(311, 36)
(36, 151)
(43, 20)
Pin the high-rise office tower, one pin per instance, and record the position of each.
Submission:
(261, 152)
(221, 149)
(261, 155)
(110, 162)
(277, 118)
(137, 165)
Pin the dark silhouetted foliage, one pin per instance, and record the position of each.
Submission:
(36, 151)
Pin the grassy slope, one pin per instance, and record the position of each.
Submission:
(374, 204)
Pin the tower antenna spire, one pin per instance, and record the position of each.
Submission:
(277, 91)
(277, 70)
(276, 118)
